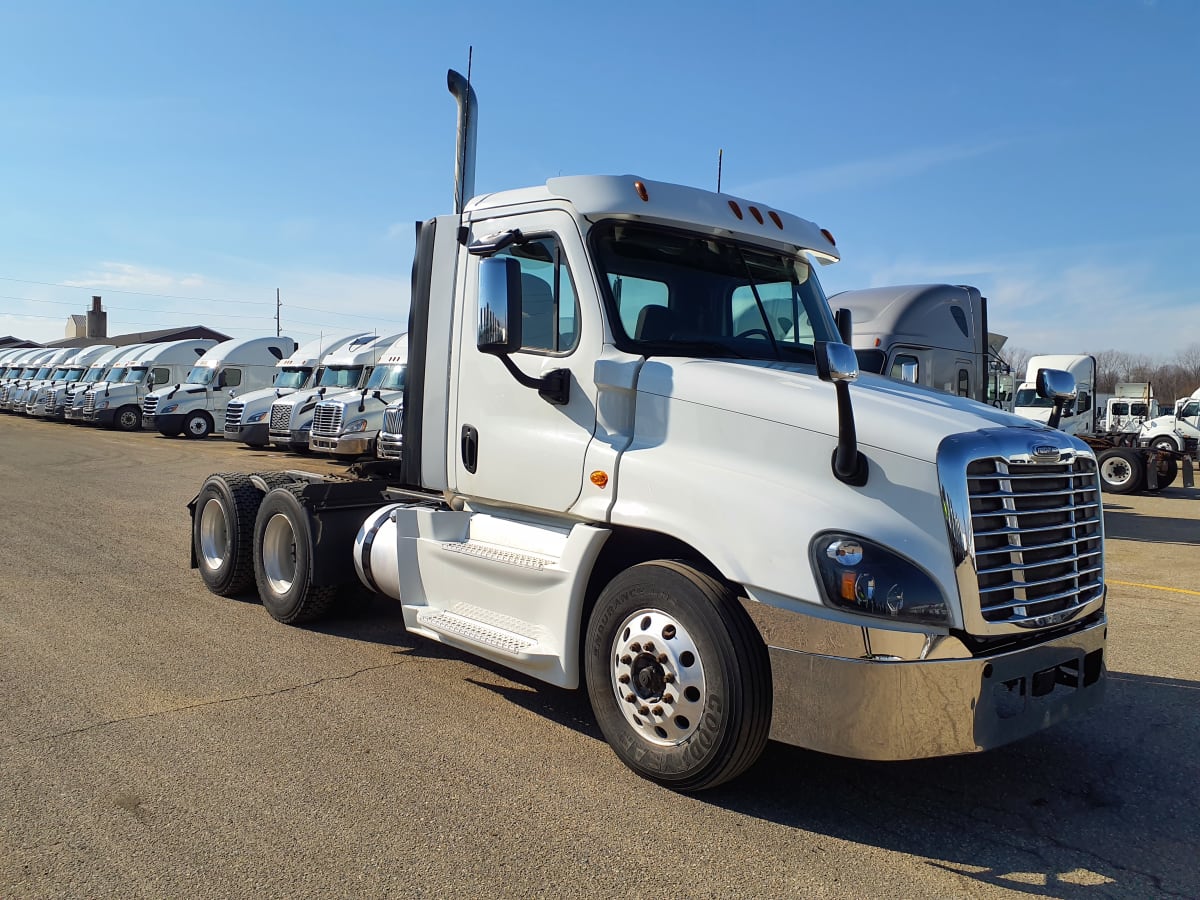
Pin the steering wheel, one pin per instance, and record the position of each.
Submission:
(750, 332)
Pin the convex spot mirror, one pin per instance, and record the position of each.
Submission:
(499, 306)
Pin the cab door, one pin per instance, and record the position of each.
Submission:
(509, 444)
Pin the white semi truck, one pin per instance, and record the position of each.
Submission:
(347, 424)
(348, 369)
(1079, 417)
(82, 410)
(47, 402)
(195, 406)
(721, 531)
(1179, 431)
(63, 367)
(37, 369)
(120, 404)
(247, 416)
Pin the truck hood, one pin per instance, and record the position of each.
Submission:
(1160, 422)
(889, 415)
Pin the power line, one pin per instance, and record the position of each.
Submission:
(112, 290)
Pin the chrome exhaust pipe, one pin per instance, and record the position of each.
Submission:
(464, 161)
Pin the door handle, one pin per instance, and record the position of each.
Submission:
(470, 448)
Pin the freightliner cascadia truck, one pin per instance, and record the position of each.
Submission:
(638, 459)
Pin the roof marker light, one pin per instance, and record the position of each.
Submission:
(641, 191)
(757, 215)
(737, 210)
(828, 236)
(775, 218)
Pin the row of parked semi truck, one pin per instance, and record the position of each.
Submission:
(340, 394)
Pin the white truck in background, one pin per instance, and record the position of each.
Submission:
(195, 407)
(82, 410)
(935, 335)
(721, 531)
(39, 369)
(347, 424)
(120, 404)
(48, 401)
(1131, 404)
(390, 443)
(1079, 417)
(347, 369)
(1179, 431)
(247, 416)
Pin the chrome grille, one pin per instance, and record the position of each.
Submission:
(1037, 538)
(89, 402)
(393, 419)
(281, 418)
(327, 420)
(233, 415)
(150, 405)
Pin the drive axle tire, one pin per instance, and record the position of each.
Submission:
(128, 418)
(197, 425)
(1168, 471)
(283, 539)
(678, 676)
(222, 532)
(1122, 471)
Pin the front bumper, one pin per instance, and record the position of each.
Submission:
(257, 434)
(343, 445)
(389, 446)
(891, 710)
(169, 425)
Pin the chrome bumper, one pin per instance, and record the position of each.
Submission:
(389, 446)
(345, 445)
(890, 710)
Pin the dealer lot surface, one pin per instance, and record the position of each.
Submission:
(156, 740)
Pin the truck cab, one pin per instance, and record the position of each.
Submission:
(121, 405)
(347, 424)
(36, 366)
(47, 401)
(195, 406)
(347, 369)
(1179, 432)
(247, 417)
(86, 399)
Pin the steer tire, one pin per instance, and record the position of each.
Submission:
(678, 676)
(1122, 471)
(283, 540)
(127, 418)
(197, 425)
(223, 531)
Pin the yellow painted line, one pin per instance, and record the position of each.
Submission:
(1154, 587)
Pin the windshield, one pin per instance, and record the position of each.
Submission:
(201, 375)
(1028, 397)
(676, 293)
(341, 376)
(113, 375)
(43, 372)
(91, 376)
(73, 374)
(136, 375)
(387, 378)
(292, 377)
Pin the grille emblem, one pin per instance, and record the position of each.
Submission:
(1046, 452)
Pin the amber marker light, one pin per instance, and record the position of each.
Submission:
(848, 582)
(641, 191)
(775, 218)
(737, 210)
(828, 236)
(757, 215)
(599, 479)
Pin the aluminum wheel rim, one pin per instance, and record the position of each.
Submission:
(279, 553)
(658, 677)
(214, 534)
(197, 425)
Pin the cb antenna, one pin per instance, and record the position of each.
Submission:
(720, 159)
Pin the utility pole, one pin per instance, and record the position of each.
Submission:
(278, 332)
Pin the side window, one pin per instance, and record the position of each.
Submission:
(549, 308)
(964, 383)
(1191, 410)
(785, 313)
(1084, 401)
(634, 295)
(231, 378)
(161, 374)
(898, 365)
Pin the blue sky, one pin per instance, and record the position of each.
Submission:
(184, 160)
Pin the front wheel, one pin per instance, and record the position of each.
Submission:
(1165, 443)
(1121, 471)
(678, 676)
(283, 542)
(197, 425)
(128, 418)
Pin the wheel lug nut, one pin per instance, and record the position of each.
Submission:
(630, 698)
(658, 710)
(624, 678)
(626, 660)
(649, 648)
(643, 710)
(669, 677)
(635, 647)
(668, 698)
(662, 657)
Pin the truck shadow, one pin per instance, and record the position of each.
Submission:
(1122, 523)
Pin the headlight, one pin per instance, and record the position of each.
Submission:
(257, 417)
(103, 405)
(169, 408)
(860, 576)
(355, 426)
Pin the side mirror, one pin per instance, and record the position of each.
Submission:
(220, 379)
(837, 363)
(908, 372)
(845, 325)
(1058, 386)
(499, 306)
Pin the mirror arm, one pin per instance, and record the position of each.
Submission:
(849, 465)
(553, 387)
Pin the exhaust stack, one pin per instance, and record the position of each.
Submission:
(464, 161)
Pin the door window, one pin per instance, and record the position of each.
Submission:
(549, 307)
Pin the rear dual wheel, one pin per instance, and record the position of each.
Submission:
(283, 540)
(223, 529)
